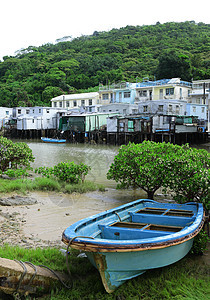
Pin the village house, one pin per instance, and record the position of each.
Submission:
(166, 106)
(75, 101)
(120, 108)
(37, 118)
(200, 100)
(123, 92)
(163, 89)
(5, 114)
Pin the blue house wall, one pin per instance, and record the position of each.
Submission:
(126, 95)
(199, 110)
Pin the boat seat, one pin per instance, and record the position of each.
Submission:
(166, 212)
(132, 231)
(161, 219)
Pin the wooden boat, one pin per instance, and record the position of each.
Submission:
(124, 242)
(51, 140)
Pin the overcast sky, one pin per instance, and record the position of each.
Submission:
(26, 23)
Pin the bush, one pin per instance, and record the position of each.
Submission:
(150, 166)
(66, 171)
(200, 243)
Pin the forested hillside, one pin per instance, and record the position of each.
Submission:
(37, 74)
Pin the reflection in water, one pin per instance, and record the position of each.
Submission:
(98, 157)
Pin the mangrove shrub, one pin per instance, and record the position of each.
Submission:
(66, 171)
(150, 166)
(15, 158)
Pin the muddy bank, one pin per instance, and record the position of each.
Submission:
(38, 219)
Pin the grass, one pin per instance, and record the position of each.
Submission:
(186, 279)
(46, 184)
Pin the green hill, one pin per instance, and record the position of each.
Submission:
(37, 74)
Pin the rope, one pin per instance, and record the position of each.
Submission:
(67, 251)
(16, 294)
(118, 216)
(56, 275)
(22, 275)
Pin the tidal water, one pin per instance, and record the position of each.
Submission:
(98, 157)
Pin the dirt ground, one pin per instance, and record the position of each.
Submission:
(39, 218)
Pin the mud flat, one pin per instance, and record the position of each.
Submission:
(39, 218)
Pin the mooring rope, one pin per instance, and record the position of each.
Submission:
(67, 251)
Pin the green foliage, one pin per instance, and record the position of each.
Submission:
(14, 156)
(37, 74)
(142, 165)
(149, 166)
(200, 243)
(47, 184)
(66, 171)
(190, 175)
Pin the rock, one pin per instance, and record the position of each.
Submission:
(17, 200)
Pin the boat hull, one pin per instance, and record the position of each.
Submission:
(116, 268)
(49, 140)
(124, 242)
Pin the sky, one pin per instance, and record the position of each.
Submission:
(25, 23)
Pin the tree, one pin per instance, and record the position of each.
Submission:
(142, 166)
(14, 155)
(150, 165)
(174, 64)
(190, 175)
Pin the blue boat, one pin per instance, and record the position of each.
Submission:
(124, 242)
(51, 140)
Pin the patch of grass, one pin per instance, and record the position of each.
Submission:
(46, 184)
(87, 186)
(186, 279)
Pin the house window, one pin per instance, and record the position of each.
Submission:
(170, 108)
(143, 93)
(75, 103)
(177, 109)
(7, 113)
(19, 111)
(124, 111)
(82, 102)
(60, 104)
(202, 109)
(145, 108)
(120, 96)
(55, 104)
(32, 120)
(33, 111)
(40, 110)
(161, 93)
(48, 111)
(194, 109)
(105, 96)
(160, 107)
(127, 94)
(27, 111)
(198, 100)
(67, 103)
(180, 92)
(169, 91)
(90, 101)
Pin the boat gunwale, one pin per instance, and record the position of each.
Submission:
(108, 245)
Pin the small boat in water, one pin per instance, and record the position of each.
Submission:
(51, 140)
(124, 242)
